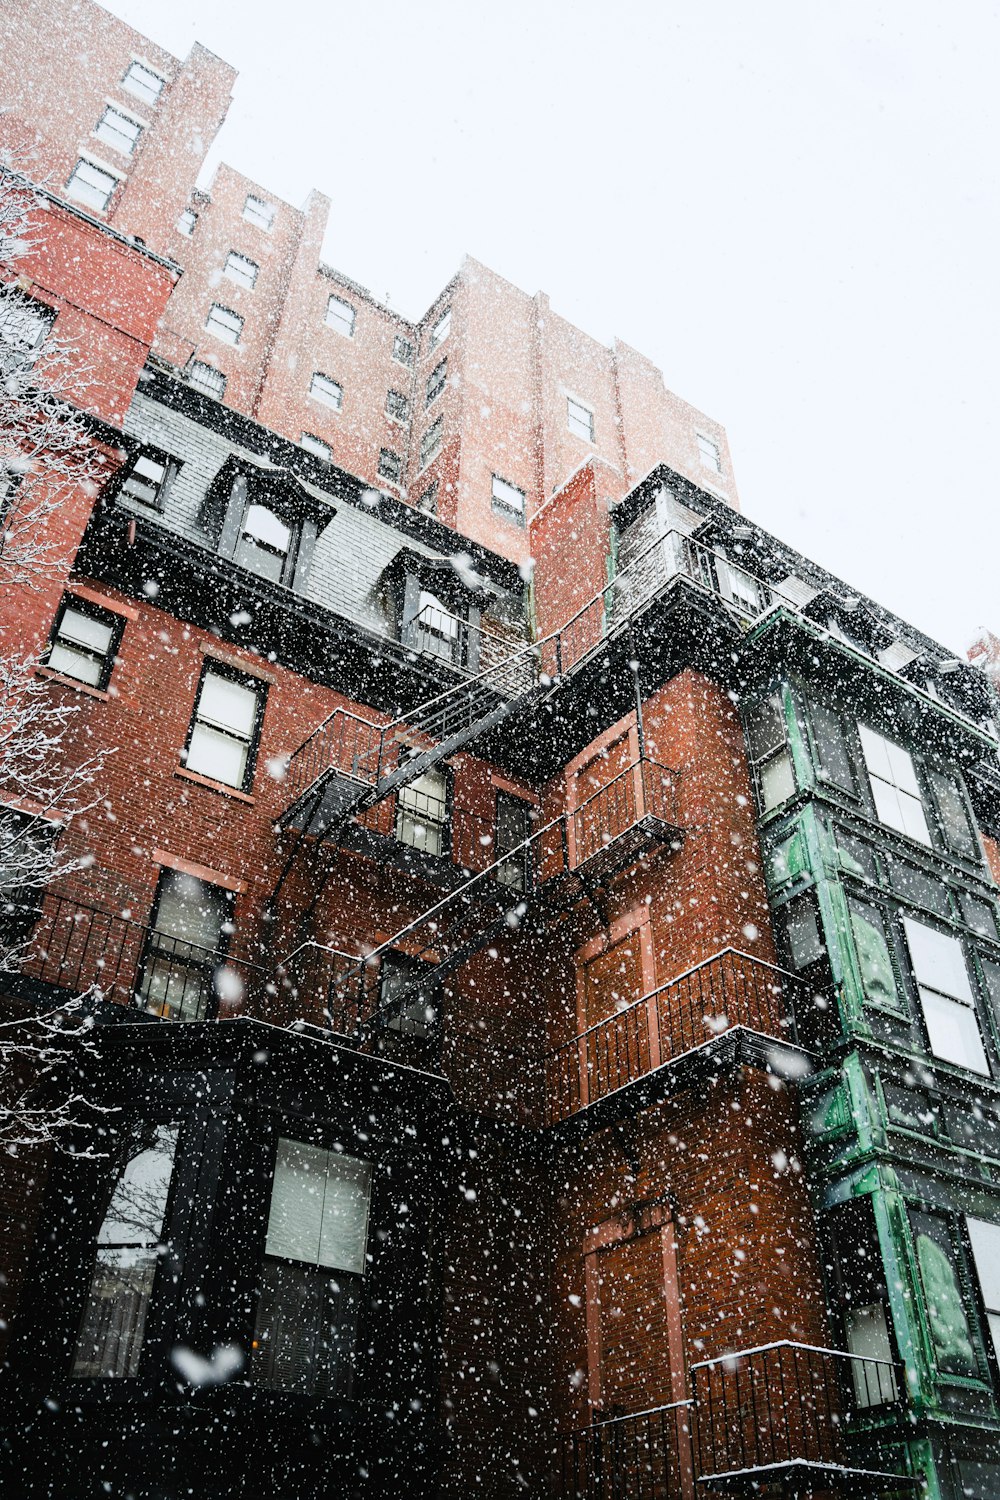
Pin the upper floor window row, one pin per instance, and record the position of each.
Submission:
(910, 794)
(143, 82)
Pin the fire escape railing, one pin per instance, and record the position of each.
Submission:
(643, 1455)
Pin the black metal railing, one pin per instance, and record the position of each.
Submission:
(63, 947)
(729, 989)
(645, 1455)
(643, 790)
(784, 1404)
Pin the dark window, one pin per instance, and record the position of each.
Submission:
(313, 1270)
(979, 915)
(84, 642)
(185, 947)
(397, 406)
(985, 1241)
(409, 996)
(206, 378)
(225, 727)
(390, 465)
(803, 933)
(26, 855)
(953, 816)
(149, 477)
(422, 813)
(24, 326)
(769, 752)
(832, 755)
(129, 1244)
(856, 1267)
(402, 350)
(428, 501)
(441, 329)
(871, 945)
(430, 443)
(513, 828)
(436, 381)
(947, 1315)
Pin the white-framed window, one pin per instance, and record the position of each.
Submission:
(422, 808)
(206, 378)
(224, 323)
(436, 381)
(428, 501)
(258, 211)
(316, 445)
(895, 789)
(946, 996)
(143, 83)
(396, 406)
(84, 641)
(430, 442)
(149, 477)
(315, 1256)
(187, 223)
(508, 500)
(403, 351)
(24, 326)
(390, 465)
(119, 130)
(580, 419)
(340, 315)
(441, 329)
(985, 1241)
(91, 185)
(241, 269)
(323, 389)
(225, 725)
(709, 453)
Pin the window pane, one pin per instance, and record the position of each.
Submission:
(766, 726)
(267, 528)
(114, 1323)
(84, 630)
(985, 1239)
(344, 1235)
(831, 746)
(901, 769)
(143, 83)
(875, 752)
(887, 808)
(946, 1313)
(218, 756)
(191, 909)
(776, 780)
(868, 1336)
(227, 703)
(139, 1201)
(914, 819)
(951, 811)
(306, 1330)
(954, 1032)
(874, 962)
(938, 960)
(76, 664)
(296, 1217)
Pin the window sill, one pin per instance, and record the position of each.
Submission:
(213, 786)
(51, 675)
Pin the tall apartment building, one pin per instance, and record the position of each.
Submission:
(546, 1017)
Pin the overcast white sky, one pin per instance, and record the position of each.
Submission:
(791, 207)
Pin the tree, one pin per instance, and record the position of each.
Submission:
(45, 446)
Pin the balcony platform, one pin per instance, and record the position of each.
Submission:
(806, 1475)
(610, 858)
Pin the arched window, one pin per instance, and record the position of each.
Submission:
(128, 1246)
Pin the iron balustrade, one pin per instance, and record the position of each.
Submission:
(729, 989)
(643, 1455)
(62, 945)
(785, 1404)
(643, 790)
(437, 632)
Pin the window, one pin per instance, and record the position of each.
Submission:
(508, 501)
(430, 443)
(129, 1246)
(708, 453)
(985, 1241)
(402, 351)
(241, 269)
(946, 996)
(224, 728)
(390, 465)
(118, 130)
(871, 944)
(340, 315)
(265, 544)
(832, 755)
(312, 1276)
(397, 406)
(435, 628)
(436, 381)
(803, 932)
(894, 785)
(741, 588)
(580, 419)
(187, 222)
(953, 817)
(441, 329)
(513, 828)
(84, 641)
(224, 323)
(769, 752)
(184, 948)
(322, 388)
(316, 445)
(257, 211)
(407, 1005)
(143, 83)
(428, 501)
(206, 378)
(24, 326)
(149, 477)
(948, 1320)
(91, 185)
(27, 851)
(422, 812)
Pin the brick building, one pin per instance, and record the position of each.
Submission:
(548, 1016)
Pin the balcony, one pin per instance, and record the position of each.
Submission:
(69, 950)
(782, 1419)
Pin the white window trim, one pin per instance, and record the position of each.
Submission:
(153, 67)
(320, 400)
(577, 401)
(247, 286)
(86, 154)
(327, 323)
